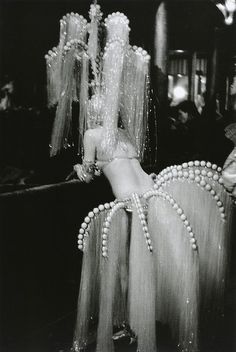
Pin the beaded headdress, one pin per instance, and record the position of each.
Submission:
(119, 85)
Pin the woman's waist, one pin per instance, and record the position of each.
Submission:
(125, 186)
(117, 162)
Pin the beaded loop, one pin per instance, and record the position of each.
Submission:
(85, 226)
(179, 211)
(200, 172)
(142, 218)
(106, 225)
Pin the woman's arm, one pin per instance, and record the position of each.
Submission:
(86, 170)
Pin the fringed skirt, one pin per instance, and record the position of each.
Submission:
(159, 256)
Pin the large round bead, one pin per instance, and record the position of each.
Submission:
(84, 225)
(87, 219)
(96, 210)
(107, 224)
(179, 211)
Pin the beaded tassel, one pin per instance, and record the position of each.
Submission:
(143, 221)
(178, 210)
(195, 171)
(85, 226)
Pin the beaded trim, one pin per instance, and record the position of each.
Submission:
(178, 210)
(193, 171)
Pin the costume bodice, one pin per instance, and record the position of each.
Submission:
(102, 163)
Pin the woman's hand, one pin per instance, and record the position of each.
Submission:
(84, 172)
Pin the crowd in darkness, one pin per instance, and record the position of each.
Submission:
(25, 137)
(194, 135)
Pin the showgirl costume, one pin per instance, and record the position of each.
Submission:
(156, 256)
(229, 168)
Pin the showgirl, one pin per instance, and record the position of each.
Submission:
(158, 252)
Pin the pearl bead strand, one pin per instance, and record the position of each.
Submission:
(143, 221)
(106, 226)
(194, 171)
(178, 210)
(85, 226)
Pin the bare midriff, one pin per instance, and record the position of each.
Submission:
(126, 177)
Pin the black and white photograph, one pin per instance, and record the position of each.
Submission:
(118, 176)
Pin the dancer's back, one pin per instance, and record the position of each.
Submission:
(122, 169)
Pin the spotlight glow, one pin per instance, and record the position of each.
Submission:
(179, 93)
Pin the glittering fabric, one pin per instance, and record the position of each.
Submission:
(120, 80)
(157, 256)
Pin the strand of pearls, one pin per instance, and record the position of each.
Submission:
(116, 18)
(140, 52)
(179, 211)
(85, 226)
(106, 226)
(142, 217)
(95, 11)
(75, 43)
(194, 171)
(51, 56)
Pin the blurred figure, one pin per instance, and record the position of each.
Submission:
(187, 131)
(229, 168)
(7, 95)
